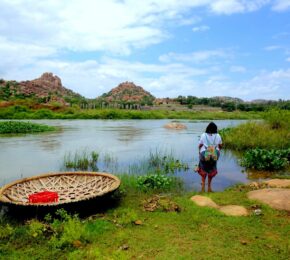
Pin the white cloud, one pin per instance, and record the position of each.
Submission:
(196, 57)
(281, 5)
(273, 48)
(288, 59)
(238, 69)
(105, 25)
(201, 28)
(236, 6)
(20, 54)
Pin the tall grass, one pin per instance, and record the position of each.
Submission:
(160, 162)
(83, 160)
(272, 133)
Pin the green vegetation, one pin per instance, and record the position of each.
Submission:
(15, 127)
(153, 226)
(262, 159)
(231, 104)
(266, 144)
(273, 133)
(81, 161)
(24, 112)
(163, 163)
(154, 182)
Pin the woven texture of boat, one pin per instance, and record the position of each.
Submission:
(69, 186)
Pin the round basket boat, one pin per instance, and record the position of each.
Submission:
(70, 187)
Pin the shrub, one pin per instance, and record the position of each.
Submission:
(6, 231)
(125, 216)
(36, 228)
(43, 114)
(278, 119)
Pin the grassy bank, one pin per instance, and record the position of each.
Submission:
(272, 133)
(18, 127)
(129, 231)
(265, 144)
(21, 112)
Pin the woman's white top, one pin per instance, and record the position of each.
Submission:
(209, 139)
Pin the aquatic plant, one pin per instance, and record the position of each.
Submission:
(159, 162)
(154, 182)
(262, 159)
(15, 127)
(82, 160)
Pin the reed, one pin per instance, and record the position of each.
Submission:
(81, 160)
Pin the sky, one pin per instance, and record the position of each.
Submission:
(202, 48)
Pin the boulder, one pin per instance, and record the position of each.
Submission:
(176, 126)
(278, 183)
(276, 198)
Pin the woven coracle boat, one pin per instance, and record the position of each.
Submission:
(70, 187)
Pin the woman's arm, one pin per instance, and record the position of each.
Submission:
(199, 146)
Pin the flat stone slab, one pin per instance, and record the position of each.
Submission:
(204, 201)
(278, 183)
(234, 210)
(176, 126)
(276, 198)
(229, 210)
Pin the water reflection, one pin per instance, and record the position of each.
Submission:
(127, 133)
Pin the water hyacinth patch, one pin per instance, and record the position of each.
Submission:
(154, 182)
(19, 127)
(262, 159)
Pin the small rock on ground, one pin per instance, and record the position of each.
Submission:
(234, 210)
(276, 198)
(204, 201)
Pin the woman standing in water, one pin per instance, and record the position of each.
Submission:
(210, 144)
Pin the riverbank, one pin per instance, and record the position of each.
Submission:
(139, 227)
(21, 112)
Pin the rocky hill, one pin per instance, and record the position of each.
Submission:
(45, 89)
(228, 99)
(128, 92)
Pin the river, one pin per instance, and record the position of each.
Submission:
(128, 141)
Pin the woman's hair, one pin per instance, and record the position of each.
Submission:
(211, 128)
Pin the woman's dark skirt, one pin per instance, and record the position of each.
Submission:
(207, 168)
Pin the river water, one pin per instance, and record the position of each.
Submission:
(127, 141)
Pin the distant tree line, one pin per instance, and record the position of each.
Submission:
(232, 104)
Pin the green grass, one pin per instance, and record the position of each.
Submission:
(16, 127)
(193, 233)
(273, 133)
(21, 112)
